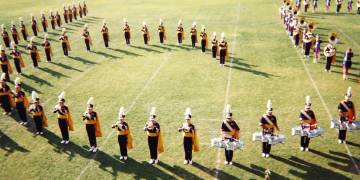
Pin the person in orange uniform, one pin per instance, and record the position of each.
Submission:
(230, 131)
(34, 25)
(18, 60)
(23, 29)
(5, 36)
(155, 142)
(34, 53)
(180, 33)
(105, 33)
(193, 35)
(308, 122)
(21, 102)
(14, 33)
(5, 97)
(204, 39)
(44, 22)
(47, 48)
(92, 122)
(124, 135)
(214, 45)
(87, 38)
(162, 32)
(347, 115)
(64, 118)
(65, 44)
(127, 35)
(5, 64)
(38, 113)
(146, 33)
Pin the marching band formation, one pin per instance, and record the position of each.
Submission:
(301, 32)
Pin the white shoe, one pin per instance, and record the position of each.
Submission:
(344, 142)
(301, 149)
(41, 133)
(230, 163)
(226, 163)
(121, 158)
(125, 157)
(156, 161)
(95, 149)
(25, 123)
(92, 148)
(21, 123)
(66, 142)
(307, 149)
(340, 141)
(185, 162)
(263, 154)
(37, 132)
(267, 155)
(151, 161)
(190, 162)
(62, 142)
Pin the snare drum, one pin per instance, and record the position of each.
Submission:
(276, 139)
(296, 131)
(257, 136)
(316, 132)
(217, 142)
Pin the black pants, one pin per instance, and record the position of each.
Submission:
(48, 54)
(38, 123)
(64, 129)
(5, 70)
(34, 59)
(15, 38)
(5, 103)
(53, 25)
(307, 48)
(304, 141)
(21, 111)
(58, 22)
(24, 35)
(153, 143)
(127, 37)
(44, 27)
(342, 135)
(161, 36)
(222, 56)
(122, 139)
(91, 132)
(338, 7)
(214, 51)
(266, 148)
(193, 40)
(296, 39)
(106, 40)
(17, 65)
(7, 42)
(145, 39)
(66, 19)
(65, 49)
(179, 36)
(188, 148)
(34, 30)
(70, 18)
(358, 11)
(328, 63)
(306, 7)
(203, 44)
(87, 43)
(75, 16)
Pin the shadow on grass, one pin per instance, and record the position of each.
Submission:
(84, 61)
(219, 174)
(311, 170)
(162, 47)
(105, 54)
(349, 167)
(38, 80)
(67, 67)
(258, 73)
(250, 170)
(352, 144)
(146, 49)
(180, 47)
(9, 145)
(179, 171)
(126, 52)
(54, 73)
(273, 174)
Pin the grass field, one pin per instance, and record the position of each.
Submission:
(265, 66)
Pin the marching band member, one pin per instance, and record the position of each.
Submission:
(191, 139)
(193, 33)
(298, 5)
(34, 53)
(230, 131)
(214, 45)
(23, 29)
(65, 15)
(328, 4)
(64, 118)
(18, 60)
(296, 34)
(85, 9)
(5, 64)
(80, 11)
(124, 134)
(74, 11)
(21, 101)
(317, 49)
(350, 5)
(146, 33)
(347, 63)
(105, 33)
(308, 122)
(87, 38)
(308, 42)
(162, 32)
(64, 39)
(347, 115)
(52, 18)
(333, 38)
(330, 54)
(268, 123)
(47, 47)
(37, 111)
(180, 33)
(306, 5)
(44, 21)
(34, 25)
(92, 122)
(14, 33)
(223, 50)
(358, 7)
(58, 19)
(154, 133)
(5, 36)
(204, 39)
(315, 5)
(126, 29)
(338, 6)
(5, 99)
(69, 13)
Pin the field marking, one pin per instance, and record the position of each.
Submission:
(226, 100)
(348, 37)
(130, 108)
(323, 101)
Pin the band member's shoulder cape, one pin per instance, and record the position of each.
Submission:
(196, 143)
(22, 64)
(97, 127)
(69, 121)
(44, 119)
(129, 139)
(351, 113)
(160, 146)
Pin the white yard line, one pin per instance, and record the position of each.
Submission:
(226, 101)
(148, 82)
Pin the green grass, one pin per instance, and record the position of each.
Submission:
(266, 66)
